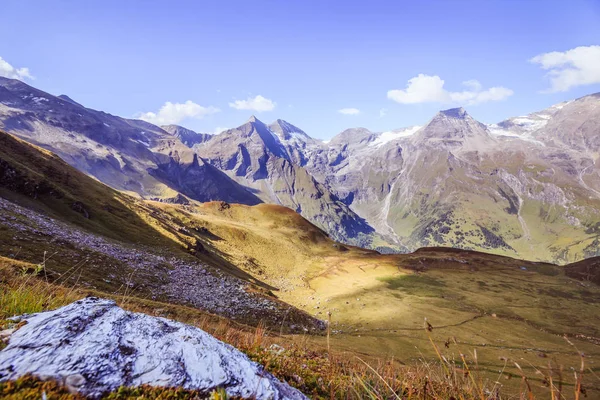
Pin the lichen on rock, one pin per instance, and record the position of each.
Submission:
(92, 346)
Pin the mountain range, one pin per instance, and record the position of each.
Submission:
(235, 269)
(526, 187)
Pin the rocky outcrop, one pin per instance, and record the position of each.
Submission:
(187, 136)
(94, 347)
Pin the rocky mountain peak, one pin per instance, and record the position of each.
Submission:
(253, 119)
(174, 129)
(285, 131)
(453, 126)
(254, 125)
(187, 136)
(352, 136)
(458, 113)
(70, 100)
(254, 137)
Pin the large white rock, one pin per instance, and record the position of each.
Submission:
(94, 346)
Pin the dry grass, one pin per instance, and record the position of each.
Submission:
(319, 371)
(24, 290)
(326, 371)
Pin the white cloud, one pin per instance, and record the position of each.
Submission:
(575, 67)
(420, 89)
(173, 113)
(482, 96)
(473, 84)
(383, 112)
(349, 111)
(8, 71)
(430, 89)
(258, 104)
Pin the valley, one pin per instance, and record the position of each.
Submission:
(526, 187)
(299, 200)
(497, 310)
(265, 263)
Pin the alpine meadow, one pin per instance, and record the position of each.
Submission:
(250, 238)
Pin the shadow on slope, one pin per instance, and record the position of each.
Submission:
(39, 180)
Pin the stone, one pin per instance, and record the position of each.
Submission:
(94, 347)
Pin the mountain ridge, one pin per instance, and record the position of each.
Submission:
(124, 153)
(515, 187)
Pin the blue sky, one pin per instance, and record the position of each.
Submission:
(306, 59)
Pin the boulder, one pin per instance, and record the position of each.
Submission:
(94, 347)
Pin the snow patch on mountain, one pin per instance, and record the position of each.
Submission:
(531, 124)
(298, 137)
(497, 130)
(388, 136)
(525, 126)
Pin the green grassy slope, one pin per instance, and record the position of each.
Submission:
(38, 180)
(498, 307)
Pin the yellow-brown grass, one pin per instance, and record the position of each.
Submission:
(319, 371)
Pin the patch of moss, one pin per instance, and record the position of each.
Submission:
(31, 388)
